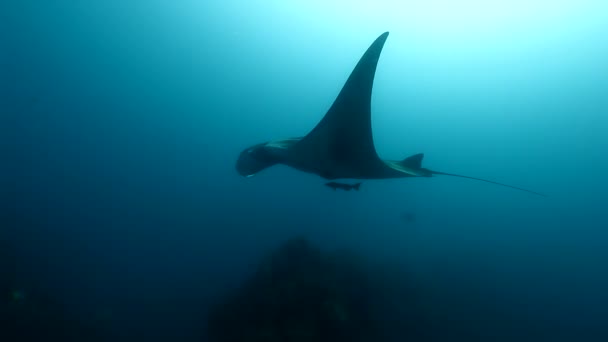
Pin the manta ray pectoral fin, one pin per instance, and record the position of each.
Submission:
(484, 180)
(341, 145)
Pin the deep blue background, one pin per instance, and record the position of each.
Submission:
(122, 121)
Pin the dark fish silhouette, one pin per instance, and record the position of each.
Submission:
(341, 145)
(343, 186)
(408, 217)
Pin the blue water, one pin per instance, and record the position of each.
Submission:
(122, 121)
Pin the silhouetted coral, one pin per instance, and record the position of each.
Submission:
(298, 294)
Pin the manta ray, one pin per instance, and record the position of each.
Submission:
(341, 145)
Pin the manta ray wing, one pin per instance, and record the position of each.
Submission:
(342, 145)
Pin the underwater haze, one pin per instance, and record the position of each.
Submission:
(121, 123)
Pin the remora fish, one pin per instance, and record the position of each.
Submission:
(343, 186)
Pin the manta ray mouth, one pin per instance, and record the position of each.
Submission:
(253, 160)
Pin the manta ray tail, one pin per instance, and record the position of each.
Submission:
(483, 180)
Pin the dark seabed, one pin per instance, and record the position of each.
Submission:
(123, 218)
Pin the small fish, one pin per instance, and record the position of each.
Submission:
(343, 186)
(18, 296)
(408, 217)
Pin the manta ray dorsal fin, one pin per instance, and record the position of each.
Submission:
(413, 162)
(344, 135)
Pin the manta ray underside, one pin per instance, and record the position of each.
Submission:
(341, 145)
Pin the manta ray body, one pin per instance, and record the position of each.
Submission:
(341, 146)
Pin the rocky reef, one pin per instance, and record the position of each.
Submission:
(298, 293)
